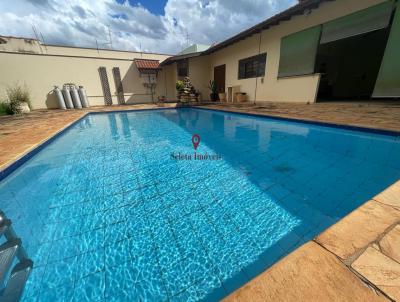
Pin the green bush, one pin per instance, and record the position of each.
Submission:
(4, 108)
(179, 86)
(15, 96)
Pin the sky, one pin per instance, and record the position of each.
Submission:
(160, 26)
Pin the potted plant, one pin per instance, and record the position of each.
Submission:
(198, 96)
(179, 88)
(222, 96)
(214, 92)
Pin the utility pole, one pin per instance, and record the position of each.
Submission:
(187, 38)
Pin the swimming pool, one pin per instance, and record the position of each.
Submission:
(119, 209)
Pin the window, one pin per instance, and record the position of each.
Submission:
(183, 68)
(252, 67)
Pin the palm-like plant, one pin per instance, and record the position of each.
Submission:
(213, 87)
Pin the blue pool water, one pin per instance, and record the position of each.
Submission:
(107, 214)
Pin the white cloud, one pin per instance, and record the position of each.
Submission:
(81, 22)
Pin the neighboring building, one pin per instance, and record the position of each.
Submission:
(315, 50)
(194, 48)
(40, 67)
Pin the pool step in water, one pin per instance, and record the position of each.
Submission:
(12, 283)
(8, 251)
(16, 283)
(4, 225)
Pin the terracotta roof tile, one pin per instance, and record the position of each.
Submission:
(147, 64)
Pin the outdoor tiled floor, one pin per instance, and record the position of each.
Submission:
(376, 115)
(355, 260)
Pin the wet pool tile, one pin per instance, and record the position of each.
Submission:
(90, 288)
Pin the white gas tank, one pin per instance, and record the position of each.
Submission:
(60, 98)
(75, 98)
(83, 97)
(67, 98)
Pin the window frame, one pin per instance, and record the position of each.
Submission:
(252, 67)
(182, 65)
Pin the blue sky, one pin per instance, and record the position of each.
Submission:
(154, 6)
(158, 26)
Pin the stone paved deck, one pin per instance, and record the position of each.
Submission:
(20, 134)
(308, 274)
(356, 259)
(384, 115)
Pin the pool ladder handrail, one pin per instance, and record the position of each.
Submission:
(11, 291)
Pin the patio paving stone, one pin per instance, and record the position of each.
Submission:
(310, 273)
(358, 229)
(390, 244)
(381, 270)
(391, 196)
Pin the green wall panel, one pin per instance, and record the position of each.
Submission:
(298, 52)
(367, 20)
(388, 82)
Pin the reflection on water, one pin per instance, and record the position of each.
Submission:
(334, 170)
(125, 125)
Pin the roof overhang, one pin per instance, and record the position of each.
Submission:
(301, 8)
(178, 58)
(147, 66)
(304, 6)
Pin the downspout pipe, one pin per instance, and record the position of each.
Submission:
(259, 52)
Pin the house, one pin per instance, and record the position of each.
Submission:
(317, 50)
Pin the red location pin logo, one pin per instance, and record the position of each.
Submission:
(195, 141)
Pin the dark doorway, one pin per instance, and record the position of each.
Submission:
(349, 67)
(219, 77)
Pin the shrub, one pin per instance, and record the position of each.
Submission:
(4, 108)
(15, 96)
(179, 86)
